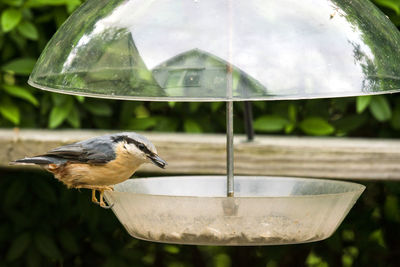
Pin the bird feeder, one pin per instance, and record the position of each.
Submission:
(225, 50)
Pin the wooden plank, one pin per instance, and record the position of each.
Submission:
(344, 158)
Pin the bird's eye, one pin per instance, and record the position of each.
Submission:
(141, 146)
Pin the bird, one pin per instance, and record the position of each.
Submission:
(98, 163)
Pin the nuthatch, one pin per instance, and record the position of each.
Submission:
(98, 163)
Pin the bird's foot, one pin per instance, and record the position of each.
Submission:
(94, 198)
(105, 206)
(101, 203)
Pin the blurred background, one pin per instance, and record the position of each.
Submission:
(44, 224)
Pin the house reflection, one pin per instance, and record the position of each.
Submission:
(196, 73)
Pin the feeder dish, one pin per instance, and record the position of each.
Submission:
(264, 211)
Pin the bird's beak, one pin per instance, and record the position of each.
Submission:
(157, 161)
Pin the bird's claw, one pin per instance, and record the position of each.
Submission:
(101, 203)
(104, 205)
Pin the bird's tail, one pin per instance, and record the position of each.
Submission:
(34, 160)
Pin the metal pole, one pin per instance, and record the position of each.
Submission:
(229, 107)
(229, 148)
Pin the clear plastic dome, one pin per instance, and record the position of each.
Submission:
(208, 50)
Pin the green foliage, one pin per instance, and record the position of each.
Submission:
(20, 92)
(316, 126)
(10, 19)
(28, 30)
(20, 66)
(391, 4)
(391, 8)
(60, 112)
(270, 123)
(380, 108)
(362, 102)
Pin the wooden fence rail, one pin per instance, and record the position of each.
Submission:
(328, 157)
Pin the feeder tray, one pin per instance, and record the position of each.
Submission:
(264, 211)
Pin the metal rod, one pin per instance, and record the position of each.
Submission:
(229, 148)
(229, 106)
(248, 120)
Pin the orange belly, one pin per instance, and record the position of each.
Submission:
(82, 174)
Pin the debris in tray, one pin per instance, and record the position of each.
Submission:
(241, 238)
(235, 231)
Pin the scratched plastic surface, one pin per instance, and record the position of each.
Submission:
(264, 211)
(208, 50)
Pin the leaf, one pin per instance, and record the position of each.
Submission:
(392, 4)
(216, 105)
(60, 15)
(74, 118)
(347, 260)
(10, 19)
(72, 5)
(58, 114)
(316, 126)
(9, 78)
(22, 66)
(80, 98)
(46, 245)
(18, 246)
(59, 99)
(21, 92)
(171, 249)
(292, 113)
(98, 108)
(140, 124)
(194, 106)
(45, 104)
(380, 108)
(289, 128)
(141, 112)
(270, 123)
(167, 124)
(41, 3)
(28, 30)
(315, 260)
(13, 2)
(377, 236)
(10, 111)
(391, 208)
(348, 235)
(362, 102)
(222, 260)
(395, 122)
(191, 126)
(350, 122)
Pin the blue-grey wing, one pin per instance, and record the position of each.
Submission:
(95, 151)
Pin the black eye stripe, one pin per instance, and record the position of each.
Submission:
(139, 145)
(128, 140)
